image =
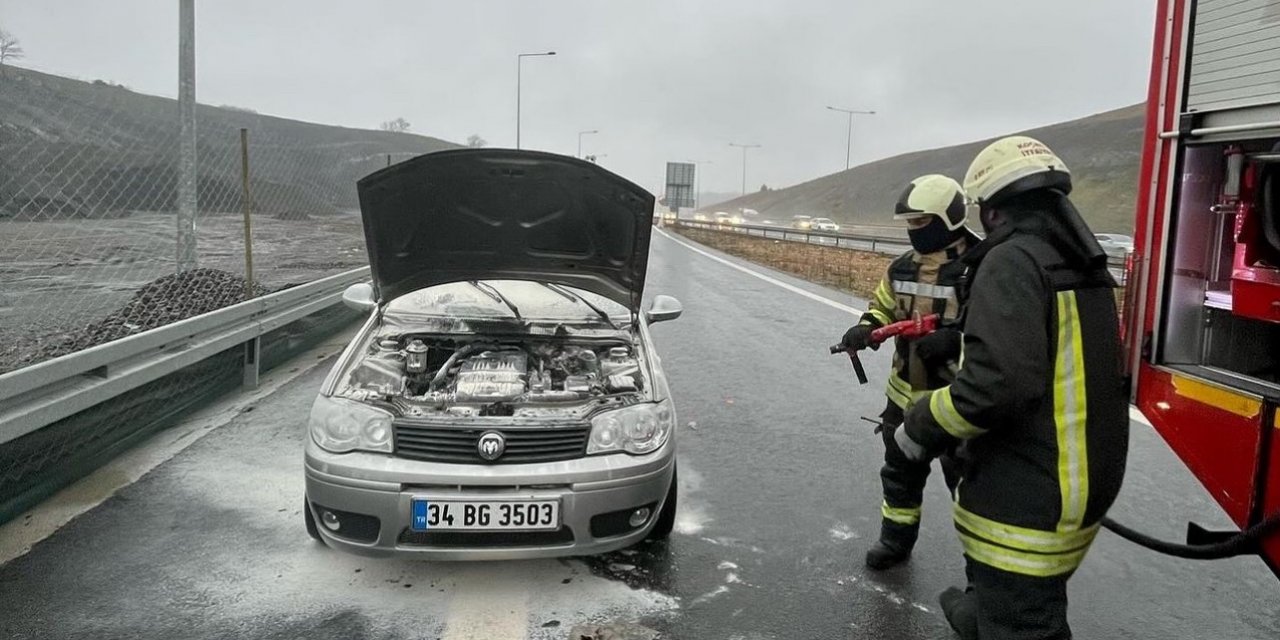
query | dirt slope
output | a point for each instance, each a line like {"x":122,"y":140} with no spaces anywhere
{"x":1102,"y":151}
{"x":75,"y":149}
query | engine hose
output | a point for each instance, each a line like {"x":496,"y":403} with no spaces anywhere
{"x":1243,"y":543}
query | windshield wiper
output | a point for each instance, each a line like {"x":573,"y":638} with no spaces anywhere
{"x":493,"y":292}
{"x":604,"y":315}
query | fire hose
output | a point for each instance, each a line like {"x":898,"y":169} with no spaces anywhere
{"x":1239,"y":544}
{"x":1243,"y":543}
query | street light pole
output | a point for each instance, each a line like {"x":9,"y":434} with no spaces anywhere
{"x":848,"y":147}
{"x":744,"y":162}
{"x":519,"y":70}
{"x":580,"y":134}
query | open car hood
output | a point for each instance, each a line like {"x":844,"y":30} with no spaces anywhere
{"x":485,"y":214}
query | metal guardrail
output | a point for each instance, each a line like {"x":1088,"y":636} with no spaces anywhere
{"x":887,"y":245}
{"x":876,"y":244}
{"x":36,"y":396}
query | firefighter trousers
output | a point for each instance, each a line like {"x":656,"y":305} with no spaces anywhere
{"x":904,"y":481}
{"x":1012,"y":606}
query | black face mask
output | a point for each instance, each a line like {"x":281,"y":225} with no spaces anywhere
{"x":933,"y":237}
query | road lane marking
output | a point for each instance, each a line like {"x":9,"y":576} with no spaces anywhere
{"x":771,"y":280}
{"x":1137,"y":416}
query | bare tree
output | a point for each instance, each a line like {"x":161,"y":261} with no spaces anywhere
{"x":10,"y":48}
{"x":474,"y":140}
{"x":399,"y":125}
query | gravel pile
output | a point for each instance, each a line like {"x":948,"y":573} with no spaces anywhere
{"x":160,"y":302}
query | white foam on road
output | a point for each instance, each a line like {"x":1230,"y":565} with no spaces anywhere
{"x":20,"y":534}
{"x":843,"y":533}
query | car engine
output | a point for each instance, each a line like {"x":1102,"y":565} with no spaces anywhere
{"x":421,"y":374}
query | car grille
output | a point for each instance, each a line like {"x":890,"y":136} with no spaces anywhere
{"x":436,"y":444}
{"x":490,"y":539}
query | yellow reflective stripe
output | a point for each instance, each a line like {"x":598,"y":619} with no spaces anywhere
{"x":901,"y":393}
{"x":1023,"y":562}
{"x":945,"y":414}
{"x":896,"y":397}
{"x":1022,"y":538}
{"x":883,"y":317}
{"x":1070,"y":415}
{"x":900,"y":515}
{"x":884,"y":295}
{"x":1239,"y":404}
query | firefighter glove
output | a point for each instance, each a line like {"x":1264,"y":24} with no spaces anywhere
{"x":858,"y":337}
{"x":910,"y":448}
{"x":940,"y":347}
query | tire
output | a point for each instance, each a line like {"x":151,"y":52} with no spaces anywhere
{"x":667,"y":517}
{"x":311,"y":521}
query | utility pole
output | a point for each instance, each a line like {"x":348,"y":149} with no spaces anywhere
{"x":519,"y":70}
{"x":744,"y":148}
{"x":848,"y":145}
{"x":186,"y":244}
{"x":580,"y":134}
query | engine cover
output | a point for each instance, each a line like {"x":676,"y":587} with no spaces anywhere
{"x":492,"y":377}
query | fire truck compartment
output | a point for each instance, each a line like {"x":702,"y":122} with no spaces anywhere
{"x":1223,"y":276}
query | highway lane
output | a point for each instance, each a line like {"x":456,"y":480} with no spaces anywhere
{"x":779,"y":499}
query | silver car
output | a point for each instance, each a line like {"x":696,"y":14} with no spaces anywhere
{"x":504,"y":399}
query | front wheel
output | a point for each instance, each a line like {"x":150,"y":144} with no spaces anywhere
{"x":667,"y":517}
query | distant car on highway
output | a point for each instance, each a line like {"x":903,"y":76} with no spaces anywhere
{"x":724,"y":217}
{"x":826,"y":225}
{"x":1115,"y":244}
{"x":700,"y":217}
{"x":801,"y":222}
{"x":503,"y":399}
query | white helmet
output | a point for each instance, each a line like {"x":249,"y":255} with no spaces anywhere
{"x":933,"y":195}
{"x":1014,"y":165}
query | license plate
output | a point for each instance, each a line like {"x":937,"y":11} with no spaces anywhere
{"x":485,"y":515}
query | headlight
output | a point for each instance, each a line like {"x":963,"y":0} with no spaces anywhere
{"x":340,"y":425}
{"x":638,"y":429}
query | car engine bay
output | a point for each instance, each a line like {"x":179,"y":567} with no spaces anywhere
{"x":425,"y":375}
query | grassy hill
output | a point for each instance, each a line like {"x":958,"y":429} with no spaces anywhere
{"x":1102,"y":152}
{"x":75,"y":149}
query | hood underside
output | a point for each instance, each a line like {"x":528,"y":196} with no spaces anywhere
{"x":484,"y":214}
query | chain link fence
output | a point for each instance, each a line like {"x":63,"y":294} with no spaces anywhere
{"x":90,"y":202}
{"x":89,"y":190}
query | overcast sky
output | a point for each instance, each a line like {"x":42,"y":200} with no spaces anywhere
{"x":660,"y":79}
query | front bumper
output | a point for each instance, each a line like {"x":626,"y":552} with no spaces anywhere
{"x":382,"y":487}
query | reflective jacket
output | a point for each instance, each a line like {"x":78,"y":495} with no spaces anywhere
{"x":924,"y":284}
{"x":1039,"y":398}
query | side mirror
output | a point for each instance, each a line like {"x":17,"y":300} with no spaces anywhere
{"x":360,"y":297}
{"x":663,"y":308}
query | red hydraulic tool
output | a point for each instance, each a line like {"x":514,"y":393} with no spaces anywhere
{"x":917,"y":327}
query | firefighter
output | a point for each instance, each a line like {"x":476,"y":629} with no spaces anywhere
{"x":1038,"y":401}
{"x":921,"y":281}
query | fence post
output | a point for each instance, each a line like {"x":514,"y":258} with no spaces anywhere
{"x":187,"y":197}
{"x":246,"y":206}
{"x":252,"y":352}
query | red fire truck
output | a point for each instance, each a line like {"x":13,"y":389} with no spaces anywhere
{"x":1202,"y":309}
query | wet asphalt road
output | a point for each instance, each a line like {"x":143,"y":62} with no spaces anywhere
{"x":779,"y":498}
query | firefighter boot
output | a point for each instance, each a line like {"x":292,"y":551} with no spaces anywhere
{"x":960,"y":608}
{"x":893,"y":547}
